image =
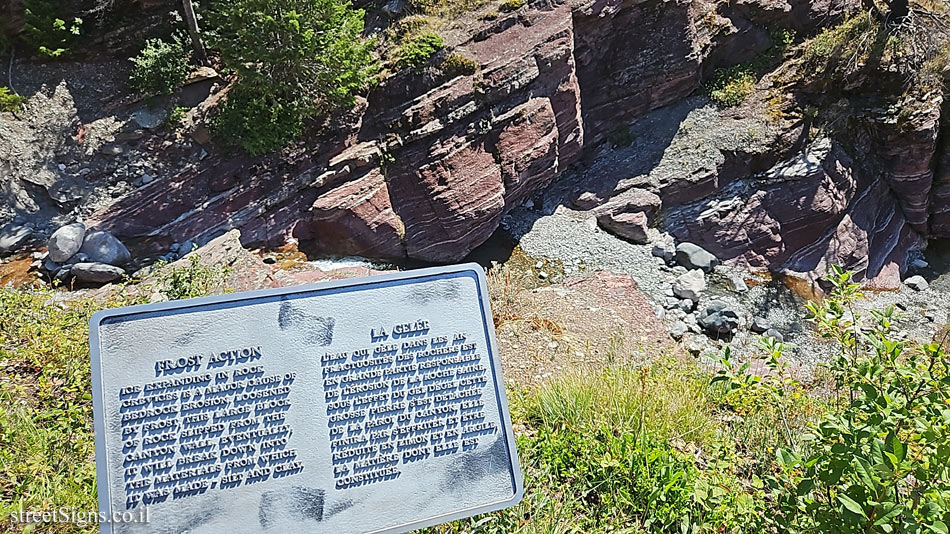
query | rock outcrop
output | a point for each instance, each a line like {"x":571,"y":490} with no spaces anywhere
{"x":431,"y":165}
{"x":428,"y":165}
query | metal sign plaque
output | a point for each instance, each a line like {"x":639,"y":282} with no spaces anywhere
{"x":367,"y":405}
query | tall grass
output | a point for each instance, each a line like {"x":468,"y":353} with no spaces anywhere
{"x":666,"y":400}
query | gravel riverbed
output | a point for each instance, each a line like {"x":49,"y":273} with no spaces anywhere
{"x":574,"y":238}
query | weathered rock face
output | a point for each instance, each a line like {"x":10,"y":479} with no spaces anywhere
{"x":459,"y":155}
{"x":802,"y":216}
{"x":633,"y":57}
{"x":359,"y":219}
{"x":429,"y":165}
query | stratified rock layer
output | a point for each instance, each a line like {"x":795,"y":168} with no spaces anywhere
{"x":428,"y":165}
{"x":431,"y":166}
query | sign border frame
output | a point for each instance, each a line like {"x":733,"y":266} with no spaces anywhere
{"x":99,"y":317}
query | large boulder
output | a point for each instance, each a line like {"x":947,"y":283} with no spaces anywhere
{"x":690,"y":285}
{"x":630,"y":226}
{"x":693,"y":256}
{"x":66,"y":242}
{"x":103,"y":247}
{"x":630,"y":201}
{"x":12,"y":236}
{"x":719,"y":319}
{"x":98,"y":273}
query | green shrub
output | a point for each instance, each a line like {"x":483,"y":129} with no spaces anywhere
{"x":47,"y":29}
{"x":880,"y":463}
{"x":623,"y":478}
{"x":160,"y":67}
{"x":417,"y":51}
{"x":511,"y":5}
{"x":458,"y":65}
{"x":443,"y":9}
{"x":430,"y":7}
{"x":782,"y":38}
{"x":194,"y":280}
{"x":833,"y":40}
{"x":730,"y":86}
{"x":10,"y":101}
{"x":878,"y":459}
{"x":294,"y":59}
{"x":407,"y":26}
{"x":258,"y":120}
{"x":837,"y":49}
{"x":491,"y":15}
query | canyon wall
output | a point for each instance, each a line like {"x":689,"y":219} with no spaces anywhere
{"x":429,"y":165}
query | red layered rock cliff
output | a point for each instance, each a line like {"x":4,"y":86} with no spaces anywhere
{"x":428,"y":172}
{"x":429,"y":165}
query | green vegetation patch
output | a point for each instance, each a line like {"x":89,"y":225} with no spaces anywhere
{"x":48,"y":29}
{"x":160,"y":67}
{"x":730,"y":86}
{"x":839,"y":41}
{"x":10,"y":101}
{"x":194,"y":280}
{"x":443,"y":9}
{"x":458,"y":65}
{"x":511,"y":5}
{"x":417,"y":51}
{"x":175,"y":118}
{"x":258,"y":120}
{"x":295,"y":59}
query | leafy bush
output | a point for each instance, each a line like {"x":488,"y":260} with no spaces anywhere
{"x":193,"y":280}
{"x":407,"y":26}
{"x":836,"y":51}
{"x":782,"y":38}
{"x":45,"y":31}
{"x":258,"y":120}
{"x":881,"y":463}
{"x":294,"y":59}
{"x":730,"y":86}
{"x":160,"y":67}
{"x":417,"y":51}
{"x":10,"y":101}
{"x":511,"y":5}
{"x":426,"y":6}
{"x":458,"y":65}
{"x":623,"y":478}
{"x":833,"y":41}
